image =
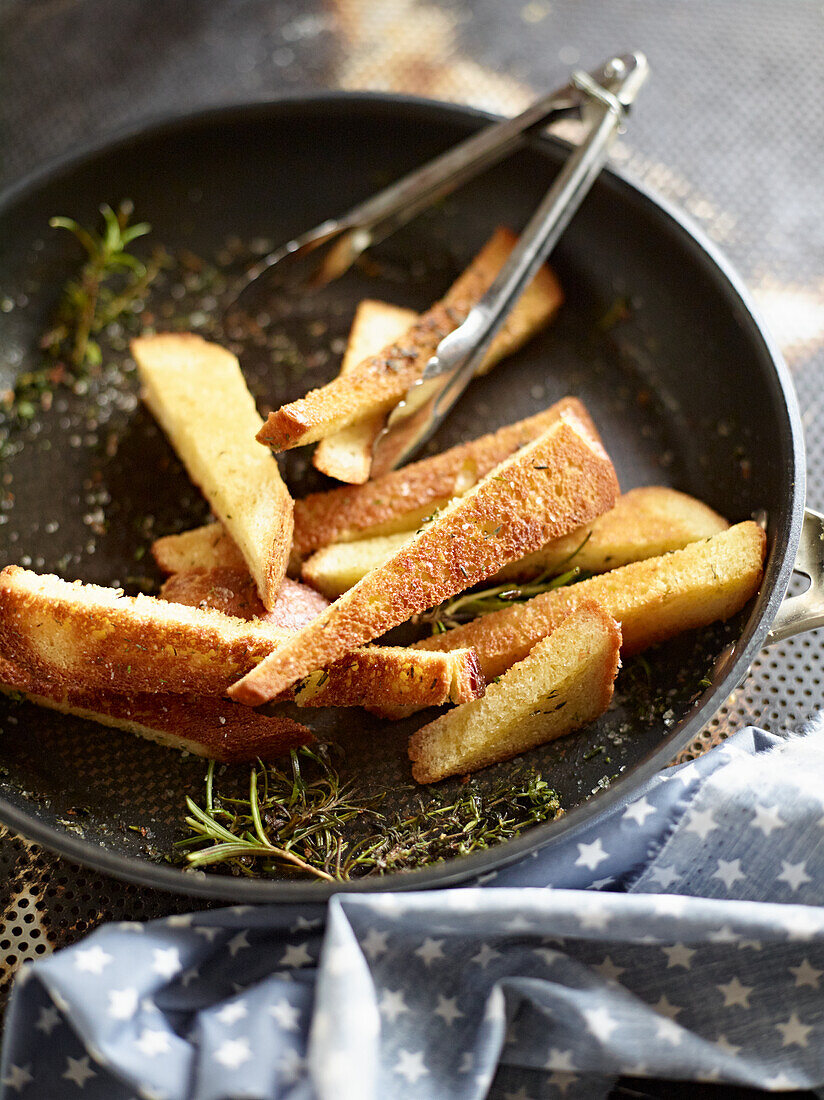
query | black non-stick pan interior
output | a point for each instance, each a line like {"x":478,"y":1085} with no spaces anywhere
{"x":651,"y":337}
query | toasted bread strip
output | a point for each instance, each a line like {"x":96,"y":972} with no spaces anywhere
{"x":197,"y":393}
{"x":392,"y":679}
{"x":206,"y":726}
{"x":652,"y":600}
{"x":557,"y":483}
{"x":347,"y":455}
{"x":233,"y":592}
{"x":207,"y":547}
{"x":381,"y":381}
{"x":82,"y":635}
{"x":643,"y":524}
{"x":400,"y":500}
{"x":335,"y":569}
{"x":565,"y":681}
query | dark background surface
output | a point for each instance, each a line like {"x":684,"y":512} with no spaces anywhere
{"x":731,"y":128}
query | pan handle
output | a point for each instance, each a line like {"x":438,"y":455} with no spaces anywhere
{"x":805,"y":612}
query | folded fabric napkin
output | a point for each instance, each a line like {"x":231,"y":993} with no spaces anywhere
{"x":681,"y":937}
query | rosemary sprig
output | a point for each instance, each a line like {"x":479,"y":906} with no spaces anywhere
{"x":109,"y":281}
{"x":294,"y":819}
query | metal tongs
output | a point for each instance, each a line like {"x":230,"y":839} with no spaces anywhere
{"x":601,"y":99}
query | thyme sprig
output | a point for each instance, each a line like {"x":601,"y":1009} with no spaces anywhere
{"x":294,"y":819}
{"x":110,"y":280}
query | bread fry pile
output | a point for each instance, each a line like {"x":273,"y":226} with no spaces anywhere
{"x":278,"y":601}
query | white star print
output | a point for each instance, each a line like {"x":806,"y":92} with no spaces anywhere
{"x":210,"y":934}
{"x":190,"y":976}
{"x":664,"y":876}
{"x":430,"y":950}
{"x":701,"y":822}
{"x":562,"y":1081}
{"x":802,"y":922}
{"x":781,"y":1083}
{"x":669,"y":1031}
{"x":591,"y":855}
{"x":638,"y":811}
{"x":448,"y":1010}
{"x":393,"y":1003}
{"x":560,"y":1060}
{"x":122,"y":1003}
{"x":92,"y":960}
{"x":485,"y":956}
{"x":231,"y":1013}
{"x":664,"y":1008}
{"x":724,"y":935}
{"x":48,"y":1020}
{"x":291,"y":1067}
{"x":238,"y":942}
{"x":725,"y":1046}
{"x":410,"y":1065}
{"x":467,"y":1062}
{"x":547,"y":954}
{"x":806,"y":974}
{"x":794,"y":874}
{"x":519,"y":1095}
{"x":287,"y":1015}
{"x":607,"y":969}
{"x":600,"y":1023}
{"x":599,"y":883}
{"x":78,"y":1071}
{"x":767,"y":820}
{"x":153,"y":1042}
{"x":166,"y":961}
{"x":793,"y":1032}
{"x":302,"y":924}
{"x":517,"y":924}
{"x":668,"y":905}
{"x":178,"y":920}
{"x":18,"y":1077}
{"x":594,"y":917}
{"x":374,"y":943}
{"x":233,"y":1053}
{"x":734,"y":993}
{"x":729,"y":871}
{"x":296,"y":955}
{"x":679,"y":955}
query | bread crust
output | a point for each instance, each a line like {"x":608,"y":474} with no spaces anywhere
{"x":394,"y":677}
{"x":198,"y":395}
{"x":211,"y":727}
{"x":566,"y":681}
{"x":381,"y":381}
{"x":233,"y":592}
{"x":398,"y":501}
{"x":551,"y":486}
{"x":653,"y":600}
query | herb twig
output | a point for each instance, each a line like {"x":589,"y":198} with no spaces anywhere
{"x":483,"y":601}
{"x":109,"y":281}
{"x":304,"y":818}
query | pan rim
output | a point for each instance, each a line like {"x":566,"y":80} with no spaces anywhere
{"x":779,"y":567}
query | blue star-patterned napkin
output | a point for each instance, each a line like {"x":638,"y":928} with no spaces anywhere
{"x":681,"y":937}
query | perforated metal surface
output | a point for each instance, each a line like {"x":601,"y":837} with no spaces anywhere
{"x":732,"y":128}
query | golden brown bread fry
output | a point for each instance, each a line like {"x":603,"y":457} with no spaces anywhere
{"x":565,"y":682}
{"x":198,"y":395}
{"x":82,"y":635}
{"x":207,"y":547}
{"x":558,"y":482}
{"x":86,"y":638}
{"x":643,"y":524}
{"x":347,"y":455}
{"x":233,"y":592}
{"x":381,"y":381}
{"x":400,"y":500}
{"x":206,"y":726}
{"x":652,"y":600}
{"x":393,"y":677}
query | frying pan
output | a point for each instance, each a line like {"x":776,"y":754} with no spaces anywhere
{"x":687,"y":390}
